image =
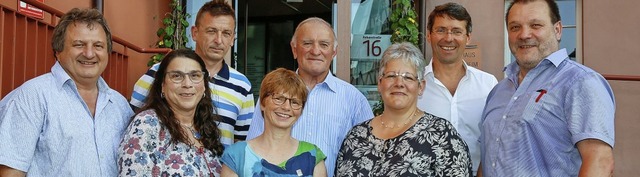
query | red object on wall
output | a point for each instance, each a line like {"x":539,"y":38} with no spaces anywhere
{"x":30,"y":10}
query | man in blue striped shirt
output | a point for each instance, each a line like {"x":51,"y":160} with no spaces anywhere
{"x":550,"y":116}
{"x":333,"y":106}
{"x":67,"y":122}
{"x":231,"y":90}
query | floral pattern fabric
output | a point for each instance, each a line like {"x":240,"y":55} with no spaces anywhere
{"x":146,"y":151}
{"x":431,"y":147}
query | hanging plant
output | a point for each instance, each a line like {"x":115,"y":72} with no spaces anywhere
{"x":173,"y":34}
{"x":405,"y":29}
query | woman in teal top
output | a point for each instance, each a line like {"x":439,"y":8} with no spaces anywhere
{"x":276,"y":152}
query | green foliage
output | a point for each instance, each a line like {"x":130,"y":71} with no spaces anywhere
{"x":405,"y":28}
{"x":403,"y":22}
{"x":173,"y":34}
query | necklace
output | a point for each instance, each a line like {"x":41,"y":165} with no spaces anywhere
{"x":195,"y":133}
{"x":405,"y":123}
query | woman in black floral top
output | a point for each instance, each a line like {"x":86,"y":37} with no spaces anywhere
{"x":403,"y":140}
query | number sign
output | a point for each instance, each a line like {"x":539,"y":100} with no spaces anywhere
{"x":368,"y":46}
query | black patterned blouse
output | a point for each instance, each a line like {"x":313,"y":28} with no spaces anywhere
{"x":431,"y":147}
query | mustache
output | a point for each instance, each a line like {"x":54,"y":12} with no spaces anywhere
{"x":526,"y":42}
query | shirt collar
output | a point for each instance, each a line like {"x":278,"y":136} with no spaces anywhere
{"x":429,"y":68}
{"x":555,"y":58}
{"x":61,"y":77}
{"x":224,"y":71}
{"x":330,"y":81}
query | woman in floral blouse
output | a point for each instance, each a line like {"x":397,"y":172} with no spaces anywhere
{"x":175,"y":133}
{"x":403,"y":140}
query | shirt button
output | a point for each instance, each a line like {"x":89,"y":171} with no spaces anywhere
{"x":493,"y":164}
{"x":515,"y":98}
{"x":504,"y":117}
{"x":497,"y":139}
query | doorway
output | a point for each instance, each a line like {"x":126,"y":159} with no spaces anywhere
{"x":265,"y":28}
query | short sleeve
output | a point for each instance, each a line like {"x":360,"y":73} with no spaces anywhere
{"x":21,"y":121}
{"x":319,"y":155}
{"x":233,"y":156}
{"x":590,"y":109}
{"x":313,"y":149}
{"x":142,"y":86}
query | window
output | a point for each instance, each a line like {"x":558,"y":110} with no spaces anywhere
{"x":569,"y":14}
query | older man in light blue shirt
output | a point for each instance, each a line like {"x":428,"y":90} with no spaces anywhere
{"x":67,"y":122}
{"x":333,"y":106}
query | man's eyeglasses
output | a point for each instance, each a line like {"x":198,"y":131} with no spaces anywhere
{"x":406,"y":77}
{"x":280,"y":99}
{"x":178,"y":76}
{"x":444,"y":31}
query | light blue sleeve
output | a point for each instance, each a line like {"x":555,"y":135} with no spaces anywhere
{"x":257,"y":123}
{"x":21,"y":120}
{"x":362,"y":110}
{"x":233,"y":157}
{"x":590,"y":109}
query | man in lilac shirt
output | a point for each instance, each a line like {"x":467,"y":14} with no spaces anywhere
{"x":550,"y":116}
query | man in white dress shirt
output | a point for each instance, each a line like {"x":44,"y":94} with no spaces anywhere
{"x":454,"y":90}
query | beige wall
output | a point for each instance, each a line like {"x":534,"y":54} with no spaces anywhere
{"x":136,"y":22}
{"x":610,"y":36}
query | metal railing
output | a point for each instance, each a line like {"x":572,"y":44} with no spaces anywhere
{"x":25,"y":50}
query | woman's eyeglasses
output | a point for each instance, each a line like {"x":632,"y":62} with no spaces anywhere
{"x":280,"y":99}
{"x":178,"y":76}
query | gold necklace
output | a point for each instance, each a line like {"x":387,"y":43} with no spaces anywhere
{"x":415,"y":112}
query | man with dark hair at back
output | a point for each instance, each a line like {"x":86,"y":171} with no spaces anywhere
{"x":454,"y":90}
{"x":67,"y":122}
{"x":214,"y":34}
{"x":550,"y":116}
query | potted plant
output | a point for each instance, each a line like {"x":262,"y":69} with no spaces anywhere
{"x":173,"y":34}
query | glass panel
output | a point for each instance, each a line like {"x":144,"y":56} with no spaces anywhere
{"x":370,"y":37}
{"x":256,"y":56}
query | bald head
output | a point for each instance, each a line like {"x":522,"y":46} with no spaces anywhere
{"x":315,"y":20}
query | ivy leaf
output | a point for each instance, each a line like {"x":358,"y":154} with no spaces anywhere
{"x":169,"y":30}
{"x":406,"y":3}
{"x":185,"y":23}
{"x":160,"y":32}
{"x":166,"y":21}
{"x":168,"y":43}
{"x":403,"y":22}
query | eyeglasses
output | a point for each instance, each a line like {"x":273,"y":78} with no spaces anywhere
{"x":406,"y":77}
{"x":280,"y":99}
{"x":444,"y":31}
{"x":178,"y":76}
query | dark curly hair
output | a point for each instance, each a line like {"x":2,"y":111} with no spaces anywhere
{"x":205,"y":117}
